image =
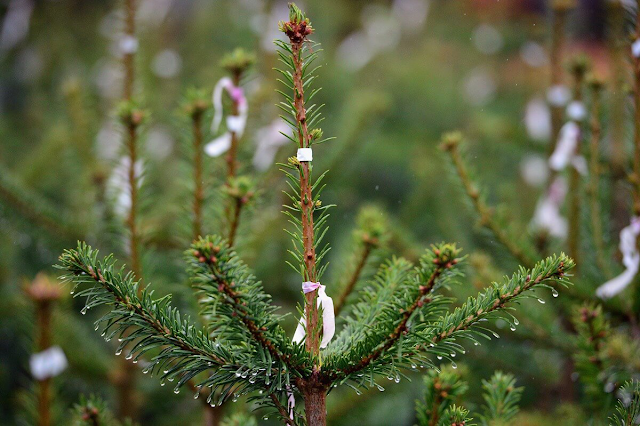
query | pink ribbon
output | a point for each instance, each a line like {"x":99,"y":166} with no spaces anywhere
{"x":308,"y":287}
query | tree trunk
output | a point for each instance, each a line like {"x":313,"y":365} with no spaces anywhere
{"x":315,"y":406}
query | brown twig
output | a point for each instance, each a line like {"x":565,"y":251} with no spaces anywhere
{"x":555,"y":68}
{"x":573,"y":238}
{"x":198,"y":196}
{"x":484,"y":211}
{"x":594,"y":172}
{"x":394,"y":336}
{"x":348,"y":289}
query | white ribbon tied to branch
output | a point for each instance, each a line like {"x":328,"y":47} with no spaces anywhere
{"x":547,"y":216}
{"x":328,"y":315}
{"x":235,"y":123}
{"x":630,"y":260}
{"x":566,"y":151}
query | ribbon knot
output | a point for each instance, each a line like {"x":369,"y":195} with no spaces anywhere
{"x":325,"y":303}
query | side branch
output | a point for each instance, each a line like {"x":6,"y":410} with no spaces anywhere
{"x":487,"y":219}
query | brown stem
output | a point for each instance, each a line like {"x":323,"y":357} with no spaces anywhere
{"x":43,"y":314}
{"x":235,"y":220}
{"x":636,"y":127}
{"x":133,"y":192}
{"x":128,"y":59}
{"x":306,"y":203}
{"x":198,"y":196}
{"x":618,"y":159}
{"x":348,"y":289}
{"x":315,"y":405}
{"x":401,"y":328}
{"x":233,"y":150}
{"x":485,"y":212}
{"x":594,"y":187}
{"x":574,"y":188}
{"x":555,"y":65}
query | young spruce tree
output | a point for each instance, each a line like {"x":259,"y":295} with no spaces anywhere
{"x":399,"y":322}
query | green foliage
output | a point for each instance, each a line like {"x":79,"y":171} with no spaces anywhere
{"x":442,"y":389}
{"x":455,"y":416}
{"x":628,"y":406}
{"x":239,"y":419}
{"x":238,"y":61}
{"x":93,"y":411}
{"x":28,"y":205}
{"x":501,"y":399}
{"x":591,"y":360}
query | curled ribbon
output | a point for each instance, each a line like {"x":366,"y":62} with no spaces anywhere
{"x":235,"y":123}
{"x":630,"y":259}
{"x":328,"y":315}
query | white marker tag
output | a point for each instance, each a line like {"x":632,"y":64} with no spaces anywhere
{"x":48,"y":363}
{"x":305,"y":154}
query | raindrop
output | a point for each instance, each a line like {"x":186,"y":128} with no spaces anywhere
{"x":118,"y":352}
{"x":390,"y":377}
{"x":135,"y":361}
{"x":380,"y":388}
{"x":358,"y":392}
{"x":476,"y":343}
{"x":413,"y":366}
{"x":454,"y":365}
{"x":541,"y":301}
{"x":397,"y":380}
{"x":96,"y":327}
{"x":176,"y":390}
{"x":439,"y":357}
{"x":554,"y":292}
{"x":83,"y":311}
{"x":512,"y":328}
{"x":453,"y":355}
{"x":496,"y":335}
{"x":515,"y":321}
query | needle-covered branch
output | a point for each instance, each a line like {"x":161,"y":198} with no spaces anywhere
{"x":30,"y":205}
{"x":628,"y":406}
{"x":399,"y":303}
{"x":443,"y":388}
{"x":488,"y":219}
{"x":238,"y":309}
{"x":463,"y":321}
{"x":145,"y":323}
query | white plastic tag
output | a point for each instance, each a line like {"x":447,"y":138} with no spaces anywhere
{"x":305,"y":154}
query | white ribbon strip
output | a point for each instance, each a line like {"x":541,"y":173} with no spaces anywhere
{"x":547,"y":216}
{"x":305,"y":154}
{"x":48,"y":363}
{"x":237,"y":95}
{"x":566,"y":150}
{"x":328,"y":315}
{"x":218,"y":146}
{"x":630,"y":259}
